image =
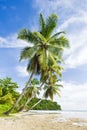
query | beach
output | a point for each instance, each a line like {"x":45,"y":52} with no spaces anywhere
{"x":42,"y":121}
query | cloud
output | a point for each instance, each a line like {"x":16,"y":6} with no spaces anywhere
{"x":11,"y":41}
{"x":77,"y":57}
{"x":77,"y":54}
{"x":76,"y":28}
{"x":22,"y":71}
{"x":52,"y":5}
{"x":64,"y":8}
{"x":75,"y":20}
{"x":48,"y":6}
{"x":73,"y":96}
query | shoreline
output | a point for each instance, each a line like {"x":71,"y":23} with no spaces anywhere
{"x":45,"y":121}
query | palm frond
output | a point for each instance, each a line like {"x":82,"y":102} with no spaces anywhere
{"x":44,"y":75}
{"x":57,"y":69}
{"x":40,"y":36}
{"x":55,"y":46}
{"x":42,"y":24}
{"x":23,"y":35}
{"x":58,"y":85}
{"x":51,"y":59}
{"x":28,"y":52}
{"x":61,"y":42}
{"x":43,"y":59}
{"x":51,"y":23}
{"x":28,"y":36}
{"x":34,"y":81}
{"x":48,"y":93}
{"x":55,"y":36}
{"x":33,"y":65}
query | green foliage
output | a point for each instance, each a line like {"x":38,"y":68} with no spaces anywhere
{"x":44,"y":105}
{"x":6,"y":99}
{"x":8,"y":93}
{"x":32,"y":90}
{"x":34,"y":81}
{"x":46,"y":50}
{"x":4,"y":107}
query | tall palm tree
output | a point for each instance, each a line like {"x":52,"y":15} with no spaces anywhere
{"x":45,"y":47}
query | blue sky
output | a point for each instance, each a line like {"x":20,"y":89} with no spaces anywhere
{"x":72,"y":17}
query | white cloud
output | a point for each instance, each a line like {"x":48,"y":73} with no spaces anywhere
{"x":22,"y":71}
{"x":52,"y":5}
{"x":76,"y":27}
{"x":75,"y":19}
{"x":77,"y":54}
{"x":64,"y":8}
{"x":73,"y":96}
{"x":12,"y":41}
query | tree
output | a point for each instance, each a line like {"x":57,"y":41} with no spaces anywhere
{"x":45,"y":48}
{"x":31,"y":92}
{"x":51,"y":90}
{"x":51,"y":87}
{"x":8,"y":92}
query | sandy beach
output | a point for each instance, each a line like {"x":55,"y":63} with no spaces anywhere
{"x":29,"y":121}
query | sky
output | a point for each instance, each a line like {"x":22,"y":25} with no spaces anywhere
{"x":72,"y":18}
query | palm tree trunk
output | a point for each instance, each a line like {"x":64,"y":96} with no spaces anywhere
{"x":23,"y":107}
{"x":41,"y":85}
{"x":30,"y":98}
{"x":20,"y":97}
{"x":35,"y":105}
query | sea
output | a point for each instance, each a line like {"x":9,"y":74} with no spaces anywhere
{"x":64,"y":113}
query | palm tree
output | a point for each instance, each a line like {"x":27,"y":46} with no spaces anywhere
{"x":51,"y":90}
{"x":51,"y":87}
{"x":31,"y":92}
{"x":20,"y":97}
{"x":45,"y":47}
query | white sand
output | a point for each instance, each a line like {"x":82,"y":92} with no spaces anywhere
{"x":29,"y":121}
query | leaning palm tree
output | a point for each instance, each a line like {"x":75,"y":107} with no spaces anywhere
{"x":49,"y":92}
{"x":31,"y":92}
{"x":31,"y":96}
{"x":44,"y":46}
{"x":51,"y":88}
